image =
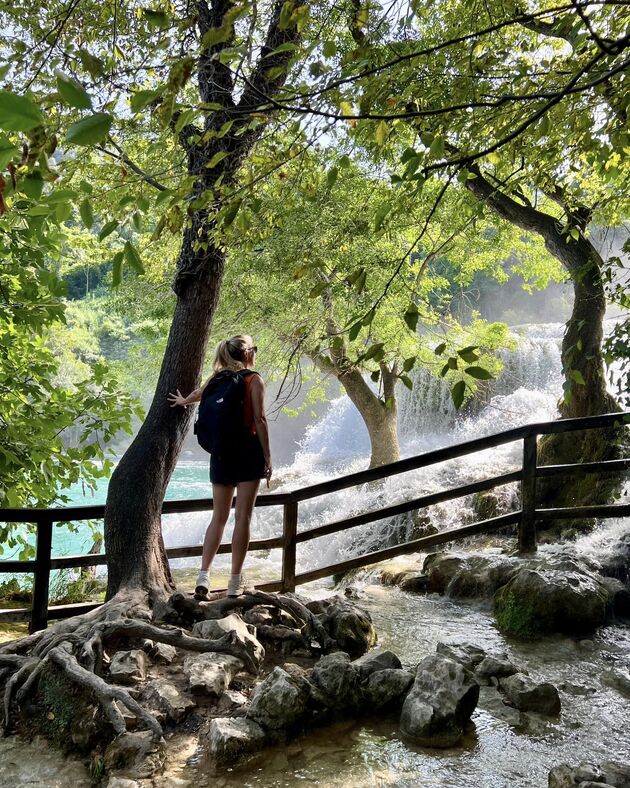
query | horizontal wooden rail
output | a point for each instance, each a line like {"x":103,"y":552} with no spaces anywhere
{"x":576,"y":512}
{"x":415,"y":546}
{"x":408,"y":506}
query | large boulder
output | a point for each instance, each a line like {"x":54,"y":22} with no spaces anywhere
{"x":280,"y":702}
{"x":525,"y":694}
{"x":566,"y":598}
{"x":378,"y":659}
{"x":494,"y":667}
{"x":349,"y":625}
{"x":587,"y":774}
{"x":242,"y":633}
{"x":468,"y":576}
{"x":467,"y":654}
{"x":211,"y":674}
{"x":229,"y":739}
{"x":440,"y":703}
{"x":617,"y":679}
{"x":386,"y":689}
{"x":337,"y":680}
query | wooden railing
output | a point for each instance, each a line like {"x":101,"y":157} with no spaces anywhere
{"x":526,"y":517}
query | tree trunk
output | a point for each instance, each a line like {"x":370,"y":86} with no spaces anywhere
{"x":381,"y":419}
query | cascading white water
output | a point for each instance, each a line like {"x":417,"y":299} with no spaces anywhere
{"x":527,"y":391}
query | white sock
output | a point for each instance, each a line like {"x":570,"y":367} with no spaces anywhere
{"x":202,"y":580}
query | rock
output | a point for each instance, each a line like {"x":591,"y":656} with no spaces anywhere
{"x":588,"y":775}
{"x":525,"y":694}
{"x":490,"y":666}
{"x":467,"y":654}
{"x":121,"y":782}
{"x":230,"y":738}
{"x":438,"y":706}
{"x":618,"y":598}
{"x":491,"y":700}
{"x":349,"y":625}
{"x":161,"y":653}
{"x":231,"y":701}
{"x":576,"y":689}
{"x":468,"y":576}
{"x":279,"y":702}
{"x":165,"y":696}
{"x":128,"y":667}
{"x":441,"y":568}
{"x":617,"y":679}
{"x":211,"y":673}
{"x":538,"y":600}
{"x":386,"y":688}
{"x":136,"y":754}
{"x":258,"y":616}
{"x":377,"y":659}
{"x":338,"y":681}
{"x":243,"y":633}
{"x":414,"y":582}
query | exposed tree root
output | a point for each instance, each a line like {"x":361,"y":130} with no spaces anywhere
{"x":194,"y":610}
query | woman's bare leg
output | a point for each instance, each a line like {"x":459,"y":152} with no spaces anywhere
{"x":245,"y":498}
{"x":222,"y":496}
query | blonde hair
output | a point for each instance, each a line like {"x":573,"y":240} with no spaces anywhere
{"x":232,"y":353}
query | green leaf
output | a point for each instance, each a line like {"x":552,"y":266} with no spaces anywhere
{"x":375,"y":375}
{"x":457,"y":393}
{"x":90,"y":130}
{"x":216,"y":35}
{"x":8,"y":151}
{"x":108,"y":229}
{"x":407,"y":381}
{"x":219,"y":156}
{"x":117,"y":264}
{"x":577,"y":376}
{"x":411,"y":317}
{"x":354,"y":331}
{"x":409,"y":363}
{"x":87,"y":215}
{"x":231,"y":211}
{"x":331,"y":177}
{"x":381,"y":213}
{"x":329,"y":49}
{"x":18,"y":113}
{"x":72,"y":92}
{"x":93,"y":65}
{"x":375,"y":351}
{"x":468,"y":353}
{"x":142,"y":98}
{"x":440,"y":349}
{"x":318,"y":289}
{"x":132,"y":256}
{"x":158,"y":20}
{"x":367,"y":320}
{"x":381,"y":133}
{"x":437,"y":148}
{"x":32,"y":185}
{"x":478,"y":372}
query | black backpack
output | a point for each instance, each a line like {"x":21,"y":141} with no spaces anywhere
{"x":220,"y":417}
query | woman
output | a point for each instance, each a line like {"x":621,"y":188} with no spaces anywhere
{"x":240,"y":467}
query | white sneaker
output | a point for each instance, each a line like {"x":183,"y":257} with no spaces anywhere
{"x":202,"y":585}
{"x":236,"y":585}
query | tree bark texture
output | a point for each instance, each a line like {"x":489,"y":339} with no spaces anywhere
{"x":133,"y":534}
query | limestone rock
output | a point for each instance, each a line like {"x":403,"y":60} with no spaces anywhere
{"x":349,"y":625}
{"x":491,"y":666}
{"x":279,"y":702}
{"x":440,"y":702}
{"x":525,"y":694}
{"x":468,"y":576}
{"x":230,"y":738}
{"x":165,"y":696}
{"x":121,"y":782}
{"x":136,"y":754}
{"x":414,"y":582}
{"x":386,"y":688}
{"x":161,"y":653}
{"x":618,"y":598}
{"x":467,"y":654}
{"x":243,"y":633}
{"x":338,"y":681}
{"x":491,"y":700}
{"x":378,"y":659}
{"x":211,"y":673}
{"x":617,"y":679}
{"x":588,"y":774}
{"x":128,"y":667}
{"x":231,"y":701}
{"x":565,"y":598}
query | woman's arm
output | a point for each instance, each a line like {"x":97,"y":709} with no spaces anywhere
{"x":260,"y":420}
{"x":179,"y":399}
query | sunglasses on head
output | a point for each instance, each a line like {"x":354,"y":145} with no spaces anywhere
{"x":254,"y":348}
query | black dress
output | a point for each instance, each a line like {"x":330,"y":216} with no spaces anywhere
{"x":243,"y":460}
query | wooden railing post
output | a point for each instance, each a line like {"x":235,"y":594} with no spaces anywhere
{"x":39,"y":612}
{"x":289,"y":527}
{"x":527,"y":526}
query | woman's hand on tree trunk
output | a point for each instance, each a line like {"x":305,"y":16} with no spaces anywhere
{"x":177,"y":399}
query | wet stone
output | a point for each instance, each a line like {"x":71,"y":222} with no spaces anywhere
{"x":467,"y":654}
{"x":230,"y":738}
{"x":526,"y":695}
{"x":378,"y":659}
